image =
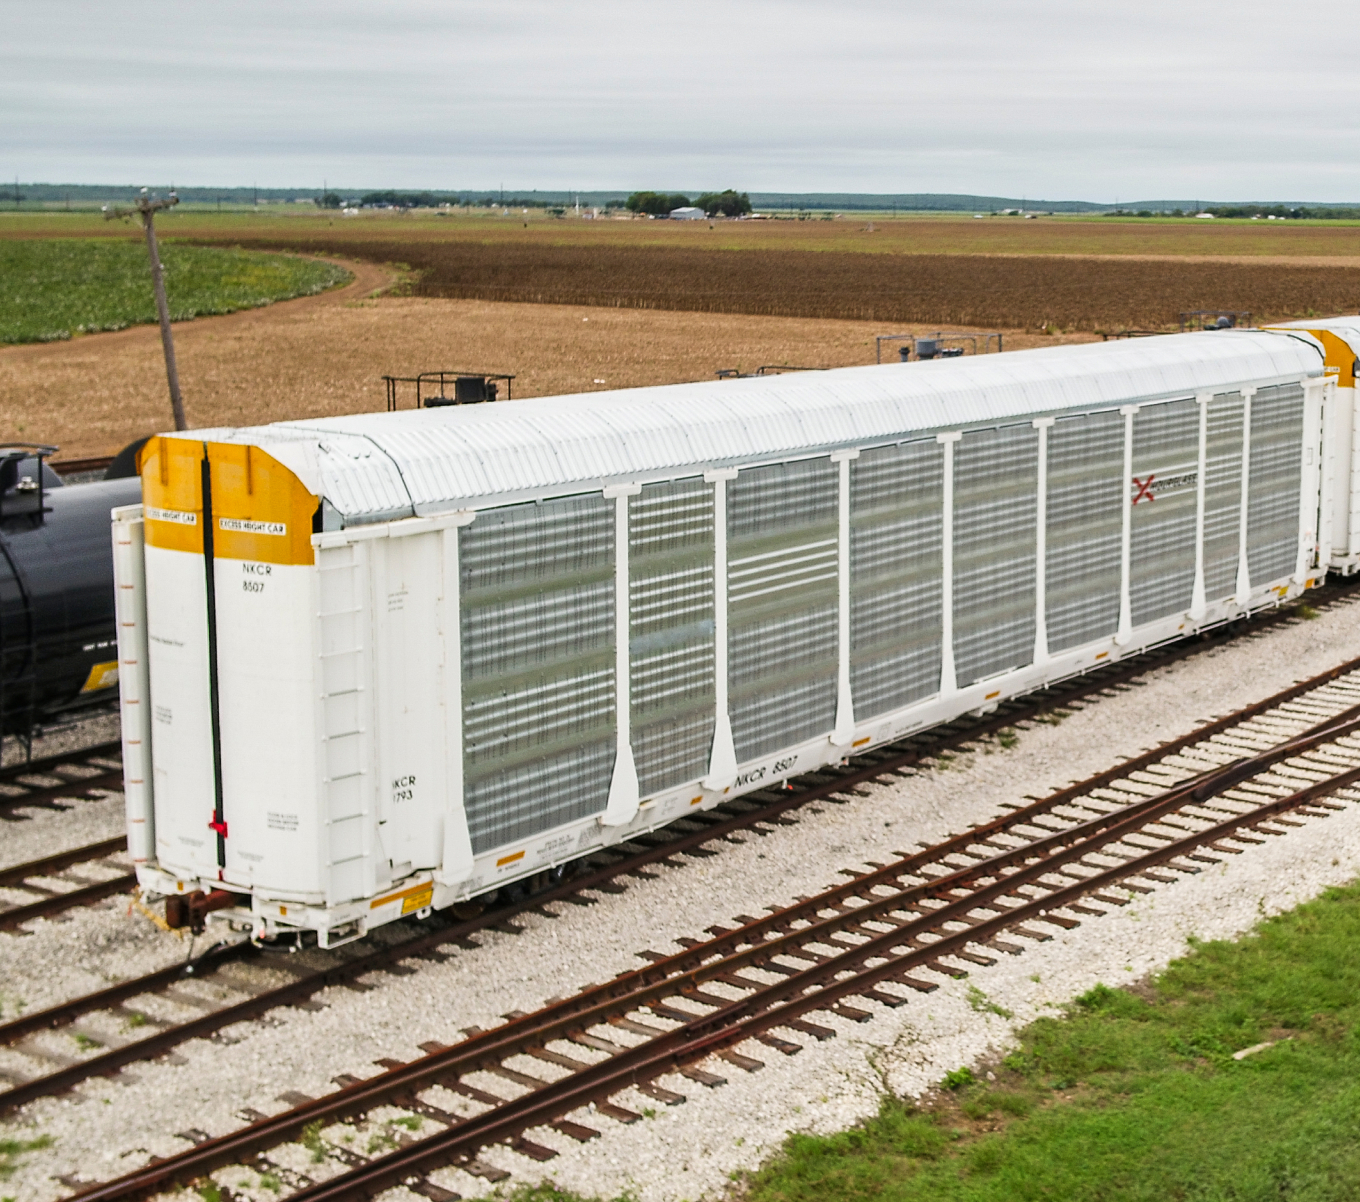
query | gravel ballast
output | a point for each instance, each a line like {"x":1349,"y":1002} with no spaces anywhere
{"x":105,"y":1127}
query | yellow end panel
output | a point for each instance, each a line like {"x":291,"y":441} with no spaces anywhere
{"x":261,"y":511}
{"x":1339,"y":358}
{"x":171,"y":494}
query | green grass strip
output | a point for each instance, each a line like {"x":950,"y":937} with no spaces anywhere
{"x":1132,"y":1095}
{"x":53,"y":289}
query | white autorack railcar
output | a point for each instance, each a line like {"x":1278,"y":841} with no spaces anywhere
{"x":381,"y":664}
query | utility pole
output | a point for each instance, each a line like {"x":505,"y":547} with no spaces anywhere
{"x":147,"y":208}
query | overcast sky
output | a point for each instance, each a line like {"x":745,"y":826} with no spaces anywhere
{"x":1056,"y":99}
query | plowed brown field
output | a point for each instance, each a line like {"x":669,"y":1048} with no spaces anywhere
{"x":326,"y":355}
{"x":1005,"y":291}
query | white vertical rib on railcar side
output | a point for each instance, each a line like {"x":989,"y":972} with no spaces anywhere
{"x":134,"y":680}
{"x":1243,"y":594}
{"x":722,"y":766}
{"x":1042,"y":425}
{"x":949,"y":681}
{"x":844,"y":733}
{"x":1125,"y":631}
{"x":622,"y":806}
{"x":1316,"y":395}
{"x":1198,"y":602}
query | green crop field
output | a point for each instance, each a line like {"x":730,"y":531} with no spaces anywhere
{"x":52,"y":289}
{"x":1134,"y":1095}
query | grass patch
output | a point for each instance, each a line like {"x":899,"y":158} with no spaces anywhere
{"x":1134,"y":1096}
{"x":12,"y":1151}
{"x":53,"y":289}
{"x":980,"y":1002}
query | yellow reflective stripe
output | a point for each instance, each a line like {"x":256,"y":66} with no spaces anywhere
{"x":391,"y":897}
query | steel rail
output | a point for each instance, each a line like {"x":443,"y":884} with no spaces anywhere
{"x":15,"y":876}
{"x":632,"y":991}
{"x":58,"y":902}
{"x":44,"y":766}
{"x":428,"y":943}
{"x":77,"y":788}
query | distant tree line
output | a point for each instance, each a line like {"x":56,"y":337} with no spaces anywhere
{"x":716,"y":204}
{"x":728,"y":203}
{"x":655,"y":204}
{"x":1286,"y":212}
{"x":1278,"y":211}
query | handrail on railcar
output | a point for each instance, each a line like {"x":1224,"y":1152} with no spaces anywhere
{"x":469,"y":388}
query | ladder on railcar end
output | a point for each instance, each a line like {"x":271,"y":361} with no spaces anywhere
{"x":342,"y":587}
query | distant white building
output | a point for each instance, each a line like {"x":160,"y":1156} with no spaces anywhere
{"x":688,"y":213}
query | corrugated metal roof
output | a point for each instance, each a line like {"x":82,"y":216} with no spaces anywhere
{"x":375,"y":466}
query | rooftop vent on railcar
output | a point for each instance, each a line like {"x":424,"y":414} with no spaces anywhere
{"x":1215,"y":319}
{"x":432,"y":388}
{"x":940,"y":345}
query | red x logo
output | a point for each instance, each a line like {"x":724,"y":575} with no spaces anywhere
{"x":1144,"y":489}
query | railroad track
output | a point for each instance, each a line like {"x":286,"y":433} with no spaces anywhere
{"x":867,"y":942}
{"x":48,"y":782}
{"x":140,"y":1035}
{"x":55,"y":782}
{"x":29,"y":878}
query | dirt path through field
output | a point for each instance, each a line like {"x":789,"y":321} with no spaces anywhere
{"x":326,"y":355}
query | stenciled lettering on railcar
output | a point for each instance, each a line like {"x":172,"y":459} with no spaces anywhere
{"x":1154,"y":485}
{"x":755,"y":774}
{"x":554,"y":849}
{"x":178,"y":517}
{"x":251,"y":571}
{"x":404,"y":787}
{"x":242,"y":526}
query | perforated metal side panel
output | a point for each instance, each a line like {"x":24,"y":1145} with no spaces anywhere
{"x":995,"y":504}
{"x":1222,"y":495}
{"x":896,"y":561}
{"x":670,"y":631}
{"x":1085,"y":528}
{"x":1273,"y":490}
{"x":1164,"y":494}
{"x":537,"y":600}
{"x":781,"y":597}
